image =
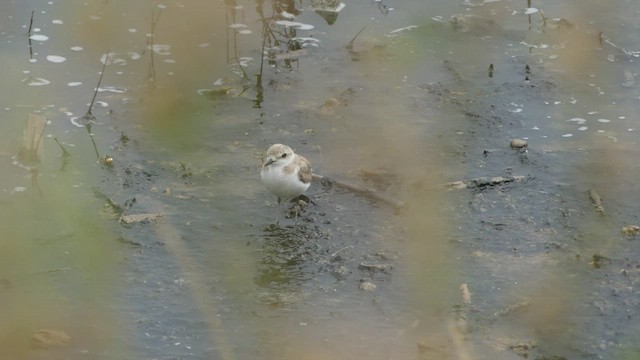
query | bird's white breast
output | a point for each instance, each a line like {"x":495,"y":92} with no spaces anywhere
{"x":282,"y":185}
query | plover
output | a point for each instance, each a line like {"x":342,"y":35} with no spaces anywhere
{"x":286,"y":174}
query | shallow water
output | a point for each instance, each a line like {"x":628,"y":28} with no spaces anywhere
{"x":410,"y":103}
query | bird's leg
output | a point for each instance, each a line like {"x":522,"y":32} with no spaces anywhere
{"x":297,"y":210}
{"x":278,"y":216}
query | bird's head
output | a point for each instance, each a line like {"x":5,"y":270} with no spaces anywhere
{"x":278,"y":155}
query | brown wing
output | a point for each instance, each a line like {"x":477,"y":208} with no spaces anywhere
{"x":305,"y":174}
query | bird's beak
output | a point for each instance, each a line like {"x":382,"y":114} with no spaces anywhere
{"x":269,"y":162}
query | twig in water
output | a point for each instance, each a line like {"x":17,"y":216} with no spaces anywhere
{"x":339,"y":251}
{"x":29,"y":35}
{"x":88,"y":117}
{"x":51,"y":271}
{"x":154,"y":22}
{"x":34,"y":180}
{"x":265,"y":33}
{"x":30,"y":23}
{"x":65,"y":153}
{"x":382,"y":7}
{"x":349,"y":45}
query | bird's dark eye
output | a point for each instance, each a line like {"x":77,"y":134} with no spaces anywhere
{"x":284,"y":155}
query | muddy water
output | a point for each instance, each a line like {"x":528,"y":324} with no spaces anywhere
{"x":185,"y":115}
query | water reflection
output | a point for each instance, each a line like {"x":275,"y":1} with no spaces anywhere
{"x":286,"y":256}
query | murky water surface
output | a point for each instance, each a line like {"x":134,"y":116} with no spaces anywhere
{"x":140,"y":229}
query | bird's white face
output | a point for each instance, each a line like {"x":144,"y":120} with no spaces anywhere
{"x":278,"y":155}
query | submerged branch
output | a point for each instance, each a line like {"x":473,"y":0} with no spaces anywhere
{"x":366,"y":192}
{"x":596,"y":201}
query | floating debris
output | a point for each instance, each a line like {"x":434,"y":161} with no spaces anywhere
{"x":596,"y":201}
{"x":215,"y":93}
{"x":31,"y":81}
{"x":631,"y":230}
{"x":481,"y":182}
{"x":512,"y":308}
{"x":39,"y":37}
{"x":294,"y":24}
{"x":57,"y":21}
{"x":161,"y":49}
{"x":456,"y":185}
{"x":113,"y":89}
{"x":484,"y":182}
{"x":80,"y":121}
{"x":329,"y":10}
{"x":77,"y":48}
{"x":45,"y":338}
{"x":367,"y":285}
{"x":137,"y":218}
{"x":245,"y":61}
{"x":56,"y":59}
{"x":375,"y":267}
{"x":518,"y":144}
{"x":531,"y":10}
{"x":306,"y":41}
{"x":332,"y":6}
{"x":286,"y":15}
{"x":406,"y":28}
{"x":541,"y":46}
{"x":597,"y":261}
{"x":579,"y":121}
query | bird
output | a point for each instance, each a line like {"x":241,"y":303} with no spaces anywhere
{"x":285,"y":174}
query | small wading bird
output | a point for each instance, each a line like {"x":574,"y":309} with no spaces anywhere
{"x":286,"y":174}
